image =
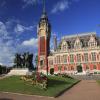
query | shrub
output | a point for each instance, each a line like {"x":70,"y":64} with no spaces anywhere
{"x":95,"y":72}
{"x":98,"y":72}
{"x":64,"y":75}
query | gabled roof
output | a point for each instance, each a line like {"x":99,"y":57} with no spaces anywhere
{"x":84,"y":38}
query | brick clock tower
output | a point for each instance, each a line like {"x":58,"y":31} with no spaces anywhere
{"x":44,"y":33}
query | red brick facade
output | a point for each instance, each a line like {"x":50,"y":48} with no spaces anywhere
{"x":86,"y":58}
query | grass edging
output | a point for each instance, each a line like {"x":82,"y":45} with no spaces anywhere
{"x":22,"y":94}
{"x":60,"y":93}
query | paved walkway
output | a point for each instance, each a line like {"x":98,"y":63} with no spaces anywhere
{"x":85,"y":90}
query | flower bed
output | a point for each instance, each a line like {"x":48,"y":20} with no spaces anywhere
{"x":37,"y":79}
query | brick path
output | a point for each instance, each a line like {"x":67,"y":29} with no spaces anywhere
{"x":85,"y":90}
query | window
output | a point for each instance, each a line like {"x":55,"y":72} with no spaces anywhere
{"x":71,"y":58}
{"x":87,"y":67}
{"x":93,"y":56}
{"x":41,"y":62}
{"x":78,"y":57}
{"x":58,"y":59}
{"x":55,"y":60}
{"x":94,"y":67}
{"x":64,"y":46}
{"x":72,"y":68}
{"x":78,"y":43}
{"x":50,"y":62}
{"x":61,"y":59}
{"x":85,"y":57}
{"x":65,"y":68}
{"x":64,"y":58}
{"x":92,"y":41}
{"x":92,"y":44}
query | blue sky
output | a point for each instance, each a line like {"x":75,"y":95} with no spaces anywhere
{"x":19,"y":19}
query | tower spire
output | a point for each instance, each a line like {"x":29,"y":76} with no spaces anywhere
{"x":44,"y":15}
{"x":44,"y":10}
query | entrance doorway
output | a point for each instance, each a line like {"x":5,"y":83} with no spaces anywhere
{"x":79,"y":69}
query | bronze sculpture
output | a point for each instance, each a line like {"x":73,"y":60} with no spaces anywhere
{"x":23,"y":61}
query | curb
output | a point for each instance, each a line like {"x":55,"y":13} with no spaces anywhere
{"x":20,"y":94}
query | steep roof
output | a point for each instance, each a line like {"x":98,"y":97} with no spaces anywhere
{"x":84,"y":38}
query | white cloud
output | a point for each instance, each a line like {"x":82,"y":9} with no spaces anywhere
{"x":10,"y":43}
{"x":11,"y":23}
{"x":60,"y":6}
{"x":1,"y":64}
{"x":30,"y":2}
{"x":4,"y":34}
{"x":3,"y":30}
{"x":6,"y":53}
{"x":30,"y":45}
{"x":6,"y":45}
{"x":20,"y":28}
{"x":32,"y":42}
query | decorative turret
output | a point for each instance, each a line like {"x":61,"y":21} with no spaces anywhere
{"x":55,"y":42}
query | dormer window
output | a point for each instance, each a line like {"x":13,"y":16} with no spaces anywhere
{"x":92,"y":42}
{"x":64,"y":46}
{"x":78,"y":43}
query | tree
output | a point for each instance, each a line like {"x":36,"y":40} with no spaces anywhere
{"x":0,"y":69}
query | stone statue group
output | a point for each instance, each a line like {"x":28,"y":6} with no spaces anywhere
{"x":23,"y":61}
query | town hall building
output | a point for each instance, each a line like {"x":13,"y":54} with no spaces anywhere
{"x":75,"y":54}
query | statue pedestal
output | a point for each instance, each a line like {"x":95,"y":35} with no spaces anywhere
{"x":19,"y":71}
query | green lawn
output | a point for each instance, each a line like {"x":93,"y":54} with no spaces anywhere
{"x":55,"y":85}
{"x":98,"y":81}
